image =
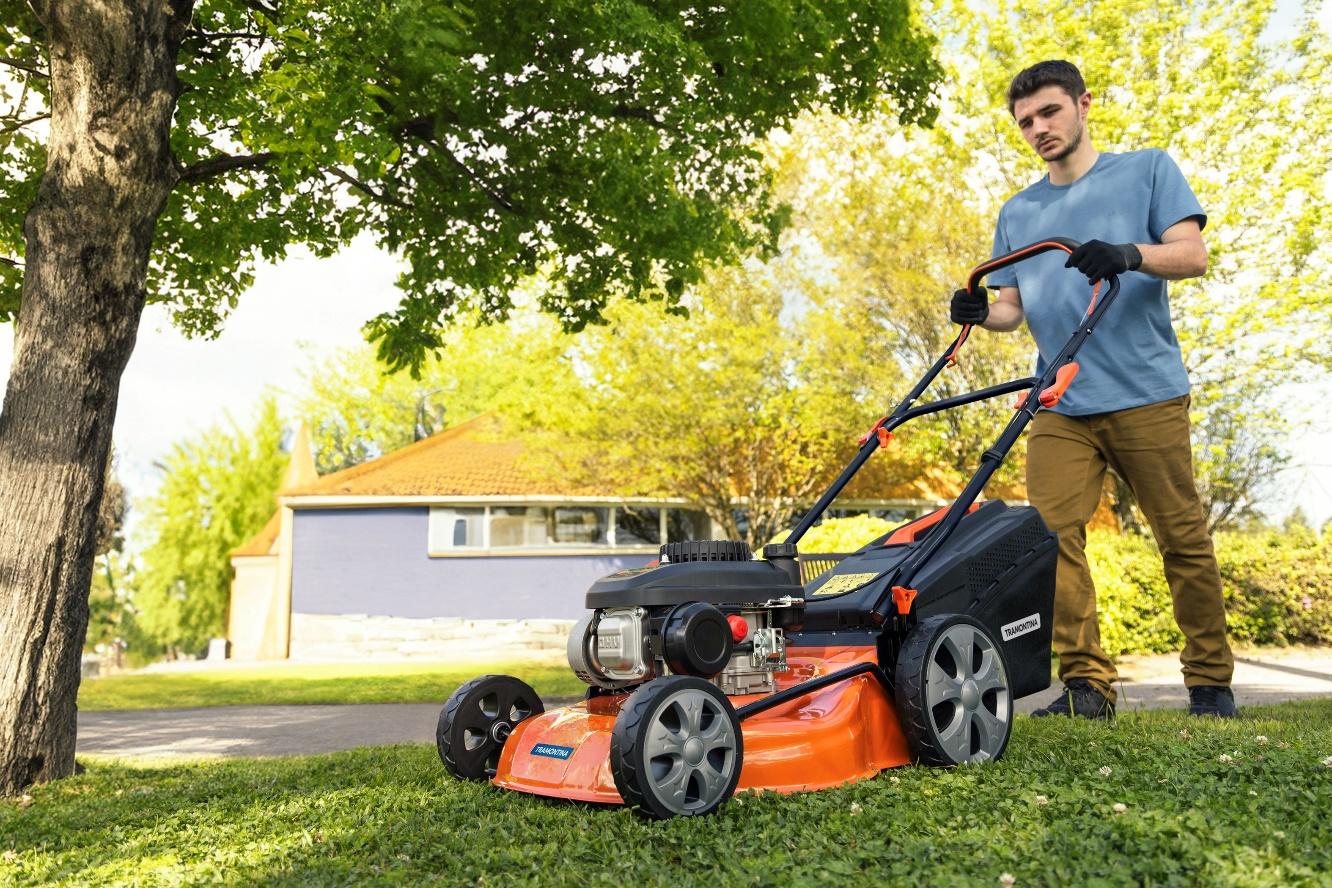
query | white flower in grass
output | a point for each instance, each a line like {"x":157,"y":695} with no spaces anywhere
{"x":1120,"y":808}
{"x":1260,"y":740}
{"x":1224,"y":759}
{"x":1007,"y":880}
{"x":1041,"y":801}
{"x":1253,"y":792}
{"x":894,"y":780}
{"x":1184,"y":734}
{"x":1278,"y":835}
{"x":1327,"y":762}
{"x":855,"y":808}
{"x":1105,"y":771}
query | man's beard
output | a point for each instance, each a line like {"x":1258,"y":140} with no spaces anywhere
{"x":1072,"y":146}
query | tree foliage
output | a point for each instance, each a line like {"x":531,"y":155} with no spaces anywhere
{"x":357,"y":411}
{"x":465,"y":136}
{"x":218,"y":489}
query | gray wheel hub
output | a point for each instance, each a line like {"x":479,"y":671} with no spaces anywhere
{"x":690,"y":751}
{"x":966,"y":695}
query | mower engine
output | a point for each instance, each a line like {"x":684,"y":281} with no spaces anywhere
{"x":706,"y":610}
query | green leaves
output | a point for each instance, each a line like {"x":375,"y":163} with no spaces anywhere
{"x":217,"y":491}
{"x":609,"y":145}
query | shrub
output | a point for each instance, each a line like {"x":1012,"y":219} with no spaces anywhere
{"x":1275,"y":584}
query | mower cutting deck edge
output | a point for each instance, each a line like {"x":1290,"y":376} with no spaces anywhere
{"x":711,"y":671}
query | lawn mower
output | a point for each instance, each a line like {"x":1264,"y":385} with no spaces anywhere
{"x":712,"y":671}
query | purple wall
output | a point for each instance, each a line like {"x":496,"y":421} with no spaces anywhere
{"x":373,"y":561}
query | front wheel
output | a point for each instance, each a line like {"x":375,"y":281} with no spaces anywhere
{"x":952,"y":692}
{"x":677,"y":748}
{"x":476,"y":721}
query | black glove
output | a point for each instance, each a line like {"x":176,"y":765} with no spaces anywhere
{"x":1098,"y":260}
{"x":970,"y":307}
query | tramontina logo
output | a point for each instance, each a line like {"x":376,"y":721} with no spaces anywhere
{"x":551,"y":751}
{"x":1021,"y":627}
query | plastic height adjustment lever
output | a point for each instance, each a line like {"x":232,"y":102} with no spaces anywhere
{"x":1063,"y":378}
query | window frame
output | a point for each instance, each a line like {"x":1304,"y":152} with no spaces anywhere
{"x":612,"y":545}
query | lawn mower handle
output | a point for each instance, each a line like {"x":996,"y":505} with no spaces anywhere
{"x":1045,"y":393}
{"x":1068,"y":245}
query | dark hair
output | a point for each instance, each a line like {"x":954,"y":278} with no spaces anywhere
{"x":1055,"y":72}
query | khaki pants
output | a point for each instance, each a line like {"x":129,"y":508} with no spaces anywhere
{"x":1149,"y":448}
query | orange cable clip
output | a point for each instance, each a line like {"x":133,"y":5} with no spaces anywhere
{"x":903,"y":597}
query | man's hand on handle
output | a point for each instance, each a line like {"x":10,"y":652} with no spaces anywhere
{"x":1098,"y":260}
{"x":970,"y":307}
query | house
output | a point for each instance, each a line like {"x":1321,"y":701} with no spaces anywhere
{"x":454,"y":543}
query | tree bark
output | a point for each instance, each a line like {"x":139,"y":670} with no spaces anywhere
{"x":89,"y":234}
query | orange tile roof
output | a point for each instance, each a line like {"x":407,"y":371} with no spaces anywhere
{"x":470,"y":459}
{"x":475,"y":459}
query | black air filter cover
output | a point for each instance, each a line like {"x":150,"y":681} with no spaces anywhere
{"x":706,"y":550}
{"x":697,"y":640}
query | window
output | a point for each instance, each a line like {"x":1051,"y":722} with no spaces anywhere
{"x":637,"y":526}
{"x":687,"y":524}
{"x":579,"y":524}
{"x":456,"y":529}
{"x":513,"y":527}
{"x":516,"y":526}
{"x":492,"y":528}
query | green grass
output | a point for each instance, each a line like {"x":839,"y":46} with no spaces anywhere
{"x":388,"y":815}
{"x":310,"y":683}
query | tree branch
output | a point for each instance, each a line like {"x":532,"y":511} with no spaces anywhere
{"x":12,"y":263}
{"x":224,"y":163}
{"x":20,"y":124}
{"x":24,"y":66}
{"x":264,"y":9}
{"x":377,"y":196}
{"x":637,"y":113}
{"x":225,"y":35}
{"x":476,"y":180}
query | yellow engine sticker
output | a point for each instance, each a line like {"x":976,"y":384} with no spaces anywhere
{"x":844,"y":583}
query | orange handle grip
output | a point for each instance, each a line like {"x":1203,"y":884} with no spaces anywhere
{"x":1063,"y":377}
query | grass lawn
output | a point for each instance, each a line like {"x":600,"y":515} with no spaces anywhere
{"x":310,"y":683}
{"x":1205,"y":803}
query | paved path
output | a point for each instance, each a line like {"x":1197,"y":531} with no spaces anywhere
{"x":1149,"y":682}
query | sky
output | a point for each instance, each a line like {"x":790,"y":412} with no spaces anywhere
{"x":174,"y":387}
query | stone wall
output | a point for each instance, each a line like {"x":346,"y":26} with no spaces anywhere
{"x":359,"y":637}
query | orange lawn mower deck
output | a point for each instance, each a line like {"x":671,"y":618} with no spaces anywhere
{"x":711,"y":672}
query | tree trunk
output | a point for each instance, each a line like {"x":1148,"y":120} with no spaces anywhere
{"x":89,"y":234}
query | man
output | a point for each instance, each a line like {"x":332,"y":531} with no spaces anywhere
{"x":1128,"y":409}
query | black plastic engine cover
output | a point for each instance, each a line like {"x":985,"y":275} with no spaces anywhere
{"x":714,"y":582}
{"x":998,"y":566}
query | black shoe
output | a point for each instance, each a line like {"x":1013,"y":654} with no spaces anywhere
{"x":1212,"y":700}
{"x":1080,"y":699}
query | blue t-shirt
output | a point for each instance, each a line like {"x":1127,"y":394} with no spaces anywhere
{"x":1132,"y":357}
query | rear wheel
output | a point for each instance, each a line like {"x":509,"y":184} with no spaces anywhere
{"x":677,"y":748}
{"x":476,"y":721}
{"x":952,"y":692}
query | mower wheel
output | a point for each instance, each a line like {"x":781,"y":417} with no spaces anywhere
{"x":952,"y":692}
{"x":476,"y":721}
{"x":676,"y":749}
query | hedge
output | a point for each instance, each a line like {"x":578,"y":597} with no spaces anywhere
{"x":1277,"y":585}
